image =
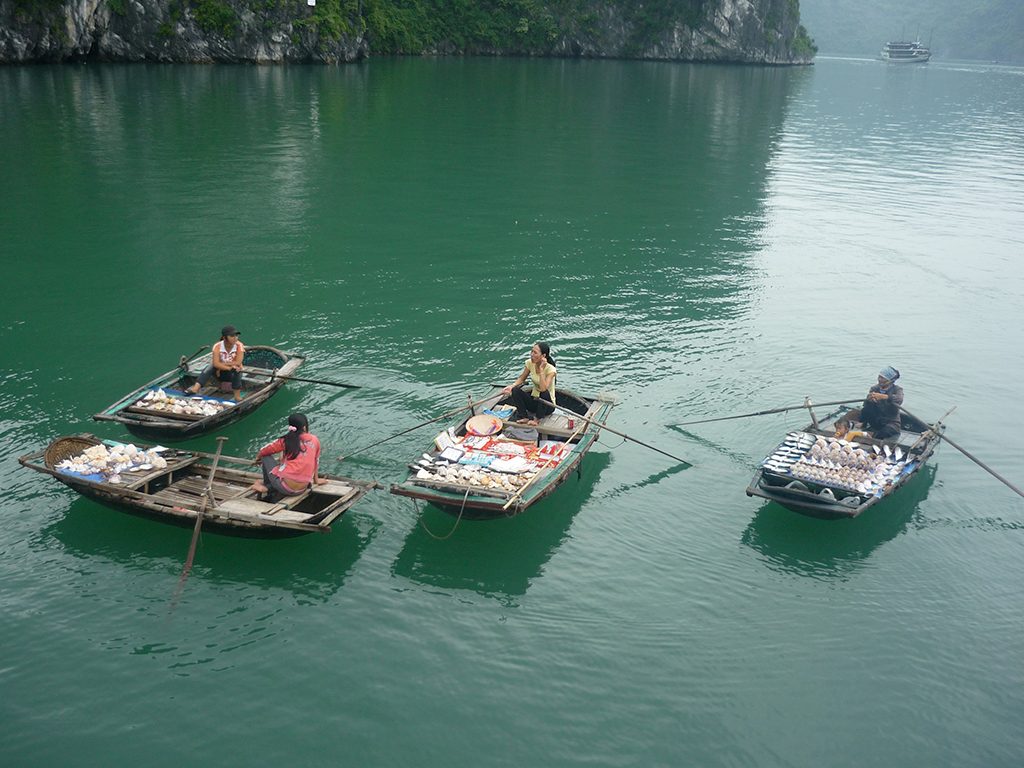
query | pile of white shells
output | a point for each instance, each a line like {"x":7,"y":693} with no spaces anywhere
{"x":159,"y":400}
{"x":111,"y":462}
{"x":843,"y":465}
{"x":473,"y":477}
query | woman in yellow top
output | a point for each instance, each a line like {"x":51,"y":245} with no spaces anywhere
{"x":542,"y":372}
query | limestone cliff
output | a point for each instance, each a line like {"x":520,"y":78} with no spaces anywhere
{"x":264,"y":31}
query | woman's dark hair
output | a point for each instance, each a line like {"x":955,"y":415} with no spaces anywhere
{"x":293,"y":438}
{"x":545,"y":349}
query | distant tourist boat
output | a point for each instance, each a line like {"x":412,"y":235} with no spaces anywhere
{"x":905,"y":52}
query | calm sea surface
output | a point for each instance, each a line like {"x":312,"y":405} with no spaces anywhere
{"x":698,"y":241}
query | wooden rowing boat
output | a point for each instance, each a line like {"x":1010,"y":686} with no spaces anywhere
{"x":813,"y":473}
{"x":174,"y":493}
{"x":262,"y":366}
{"x":559,"y":446}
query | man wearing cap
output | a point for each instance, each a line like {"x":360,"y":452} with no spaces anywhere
{"x":226,"y":359}
{"x":880,"y":412}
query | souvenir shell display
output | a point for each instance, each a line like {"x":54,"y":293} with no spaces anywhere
{"x":109,"y":463}
{"x":161,"y":401}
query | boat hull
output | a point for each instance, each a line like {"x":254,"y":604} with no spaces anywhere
{"x":475,"y":504}
{"x":914,"y":60}
{"x":807,"y":498}
{"x":166,"y":428}
{"x":175,"y":494}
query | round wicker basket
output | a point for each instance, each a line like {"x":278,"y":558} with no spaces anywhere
{"x":66,"y":447}
{"x":264,"y":357}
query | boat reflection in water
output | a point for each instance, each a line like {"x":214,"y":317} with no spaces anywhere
{"x":827,"y":549}
{"x":498,"y":558}
{"x":312,"y":568}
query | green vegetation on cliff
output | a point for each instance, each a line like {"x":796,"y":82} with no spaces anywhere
{"x":332,"y":30}
{"x":535,"y":26}
{"x":473,"y":26}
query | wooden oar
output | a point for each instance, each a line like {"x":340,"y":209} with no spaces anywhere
{"x":765,"y":413}
{"x":972,"y":457}
{"x":207,"y":496}
{"x":273,"y":376}
{"x":183,"y":363}
{"x":934,"y":428}
{"x":548,"y":463}
{"x":623,"y":435}
{"x":470,"y":405}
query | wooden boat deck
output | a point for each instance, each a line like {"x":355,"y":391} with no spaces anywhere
{"x":259,"y":383}
{"x":176,"y":493}
{"x":918,"y":442}
{"x":487,"y":501}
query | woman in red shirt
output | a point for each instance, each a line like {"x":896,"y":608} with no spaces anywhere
{"x":299,"y":466}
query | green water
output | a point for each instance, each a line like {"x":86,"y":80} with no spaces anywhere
{"x":697,"y":241}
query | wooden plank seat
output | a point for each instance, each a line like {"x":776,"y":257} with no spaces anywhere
{"x":247,"y":507}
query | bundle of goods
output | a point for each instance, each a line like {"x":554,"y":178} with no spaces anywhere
{"x":186,"y":405}
{"x":836,"y":463}
{"x":487,"y":462}
{"x":459,"y":474}
{"x":106,"y":464}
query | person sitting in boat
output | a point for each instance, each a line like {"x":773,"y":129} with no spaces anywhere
{"x":226,"y":362}
{"x":880,"y":411}
{"x":299,"y":467}
{"x":540,"y":402}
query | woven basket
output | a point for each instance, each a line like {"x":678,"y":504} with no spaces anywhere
{"x":264,"y":358}
{"x":66,"y":447}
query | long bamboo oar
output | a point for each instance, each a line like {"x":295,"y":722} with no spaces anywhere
{"x":623,"y":435}
{"x":553,"y":460}
{"x":308,"y":381}
{"x":972,"y":457}
{"x":207,"y":495}
{"x":470,"y":405}
{"x":765,"y":413}
{"x":185,"y":360}
{"x":934,"y":428}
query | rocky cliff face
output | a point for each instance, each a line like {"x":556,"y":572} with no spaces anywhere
{"x":266,"y":31}
{"x":166,"y":31}
{"x":741,"y":31}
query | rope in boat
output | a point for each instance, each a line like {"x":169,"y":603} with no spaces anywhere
{"x":457,"y":520}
